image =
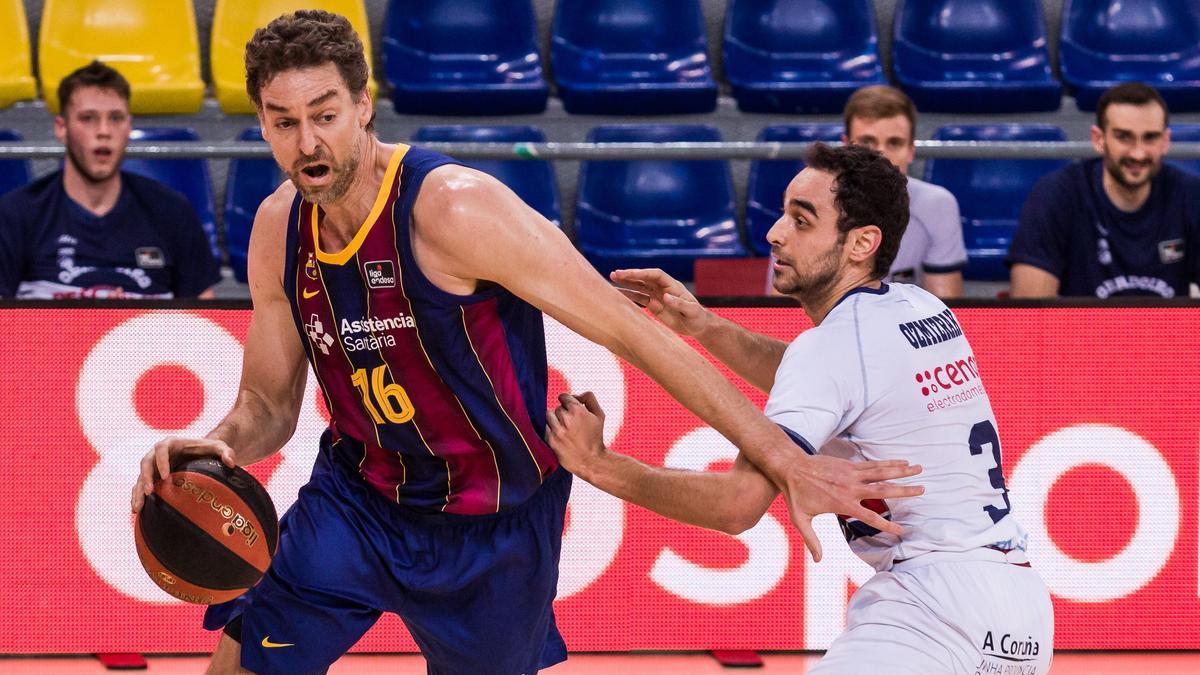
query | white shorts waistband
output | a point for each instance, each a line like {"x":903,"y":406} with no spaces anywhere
{"x":982,"y":554}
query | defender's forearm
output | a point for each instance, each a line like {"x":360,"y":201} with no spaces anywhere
{"x":693,"y":381}
{"x":753,"y":356}
{"x":730,"y":502}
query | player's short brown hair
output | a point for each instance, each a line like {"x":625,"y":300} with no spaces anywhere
{"x":878,"y":102}
{"x":306,"y":38}
{"x":867,"y":190}
{"x":94,"y":74}
{"x":1131,"y":93}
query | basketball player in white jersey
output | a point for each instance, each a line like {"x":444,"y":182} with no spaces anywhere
{"x":886,"y":373}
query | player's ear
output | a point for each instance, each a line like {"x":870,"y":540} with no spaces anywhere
{"x":366,"y":108}
{"x":1096,"y":134}
{"x":864,"y":242}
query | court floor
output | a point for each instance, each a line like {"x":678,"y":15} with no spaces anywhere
{"x":1068,"y":663}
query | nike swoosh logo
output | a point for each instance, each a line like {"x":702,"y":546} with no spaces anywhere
{"x":308,"y":294}
{"x":266,"y":642}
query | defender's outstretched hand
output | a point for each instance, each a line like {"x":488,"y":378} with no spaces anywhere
{"x":819,"y":484}
{"x":665,"y":297}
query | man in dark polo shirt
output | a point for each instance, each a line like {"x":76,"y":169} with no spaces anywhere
{"x":91,"y":230}
{"x":1120,"y":224}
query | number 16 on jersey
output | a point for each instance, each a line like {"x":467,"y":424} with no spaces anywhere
{"x":379,"y":397}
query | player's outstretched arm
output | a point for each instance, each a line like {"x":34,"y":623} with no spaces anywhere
{"x":732,"y":501}
{"x":753,"y":356}
{"x":264,"y":415}
{"x":468,"y":226}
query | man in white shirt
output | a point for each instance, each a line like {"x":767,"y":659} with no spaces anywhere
{"x":886,"y":374}
{"x":932,"y":252}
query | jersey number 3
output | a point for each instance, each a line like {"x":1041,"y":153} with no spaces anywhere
{"x":984,"y":434}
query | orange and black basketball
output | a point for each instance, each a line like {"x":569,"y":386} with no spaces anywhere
{"x":207,"y":533}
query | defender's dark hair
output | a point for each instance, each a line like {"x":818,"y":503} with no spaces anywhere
{"x":867,"y":190}
{"x":94,"y":74}
{"x":1132,"y":93}
{"x":306,"y":38}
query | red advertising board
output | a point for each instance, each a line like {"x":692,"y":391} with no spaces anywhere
{"x":1098,"y":414}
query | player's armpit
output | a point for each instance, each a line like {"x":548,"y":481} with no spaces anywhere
{"x":468,"y":226}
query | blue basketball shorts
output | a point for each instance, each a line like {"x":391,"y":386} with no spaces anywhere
{"x":474,"y":591}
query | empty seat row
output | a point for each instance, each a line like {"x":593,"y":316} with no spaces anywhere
{"x":670,"y":213}
{"x":971,"y":55}
{"x":662,"y":213}
{"x":991,"y":55}
{"x":628,"y":213}
{"x":153,"y":43}
{"x":481,"y":57}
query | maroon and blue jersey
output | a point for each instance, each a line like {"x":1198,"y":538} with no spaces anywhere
{"x":437,"y":400}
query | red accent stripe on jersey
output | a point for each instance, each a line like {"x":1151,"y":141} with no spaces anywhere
{"x":486,"y":331}
{"x":474,"y":480}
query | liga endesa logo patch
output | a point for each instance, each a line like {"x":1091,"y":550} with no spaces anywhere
{"x":380,"y":274}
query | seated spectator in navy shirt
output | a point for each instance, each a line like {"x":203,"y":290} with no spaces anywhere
{"x":91,"y":230}
{"x":1120,"y":224}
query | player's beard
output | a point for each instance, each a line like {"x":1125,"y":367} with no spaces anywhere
{"x":343,"y":176}
{"x":817,"y":278}
{"x":73,"y":156}
{"x":1113,"y":166}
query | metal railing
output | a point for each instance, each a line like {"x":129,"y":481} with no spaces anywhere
{"x":612,"y":151}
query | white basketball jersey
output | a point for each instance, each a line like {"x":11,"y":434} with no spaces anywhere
{"x":889,"y":375}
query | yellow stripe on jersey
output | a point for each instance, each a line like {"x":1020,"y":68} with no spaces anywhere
{"x":385,"y":189}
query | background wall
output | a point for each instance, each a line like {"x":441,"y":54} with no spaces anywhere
{"x":1100,"y":472}
{"x":714,"y":16}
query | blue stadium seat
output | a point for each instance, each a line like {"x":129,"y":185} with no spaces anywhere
{"x":533,"y":181}
{"x":968,"y":56}
{"x":632,"y":57}
{"x":769,"y":178}
{"x":1106,"y":42}
{"x":247,"y":184}
{"x":991,"y":192}
{"x":188,"y":176}
{"x":463,"y":57}
{"x":1185,"y":133}
{"x":800,"y":56}
{"x":13,"y":172}
{"x":655,"y":213}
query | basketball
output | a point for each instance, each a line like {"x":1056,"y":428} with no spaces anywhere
{"x":207,"y":533}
